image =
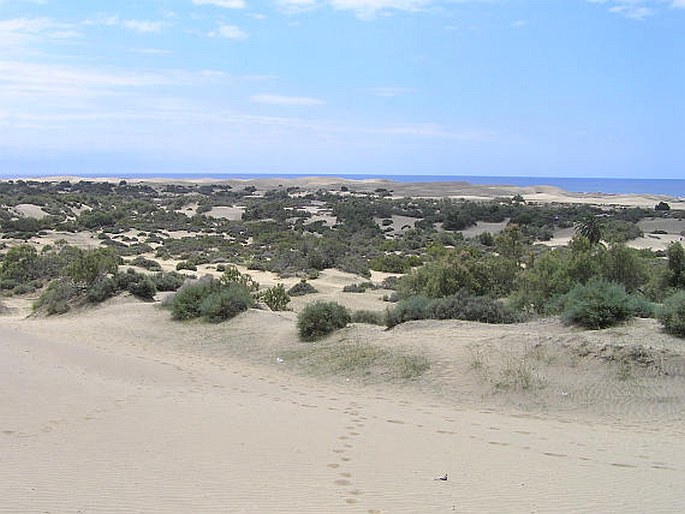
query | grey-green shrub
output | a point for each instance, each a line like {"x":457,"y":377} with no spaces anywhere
{"x":302,"y":288}
{"x":55,"y":299}
{"x":597,"y":304}
{"x":672,"y":314}
{"x":225,"y":303}
{"x":320,"y":319}
{"x":368,"y":317}
{"x":276,"y":298}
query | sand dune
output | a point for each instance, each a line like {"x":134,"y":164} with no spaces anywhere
{"x":118,"y":409}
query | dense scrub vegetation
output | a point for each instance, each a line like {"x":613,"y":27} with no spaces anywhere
{"x":494,"y":277}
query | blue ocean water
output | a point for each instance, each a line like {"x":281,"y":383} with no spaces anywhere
{"x":671,"y":187}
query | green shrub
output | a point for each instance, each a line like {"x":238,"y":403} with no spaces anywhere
{"x":358,"y":288}
{"x":225,"y":303}
{"x":276,"y":298}
{"x":55,"y":299}
{"x":232,"y":275}
{"x":302,"y":288}
{"x":186,"y":303}
{"x":672,"y":314}
{"x":642,"y":307}
{"x":171,"y":281}
{"x":413,"y":308}
{"x":368,"y":317}
{"x":143,"y":287}
{"x":321,"y":318}
{"x":462,"y":306}
{"x":597,"y":304}
{"x":471,"y":308}
{"x":148,"y":264}
{"x":186,"y":265}
{"x":101,"y":290}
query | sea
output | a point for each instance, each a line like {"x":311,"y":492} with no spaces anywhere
{"x":669,"y":187}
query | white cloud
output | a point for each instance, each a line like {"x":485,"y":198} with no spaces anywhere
{"x":272,"y":99}
{"x":21,"y":32}
{"x":228,"y":31}
{"x":639,"y":9}
{"x":140,"y":26}
{"x":370,"y":8}
{"x":226,"y":4}
{"x":296,"y":6}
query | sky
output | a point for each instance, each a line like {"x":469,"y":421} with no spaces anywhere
{"x":574,"y":88}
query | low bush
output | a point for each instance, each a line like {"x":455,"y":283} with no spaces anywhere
{"x":171,"y":281}
{"x":358,"y":288}
{"x":368,"y":317}
{"x":56,"y":298}
{"x":225,"y":303}
{"x":472,"y":308}
{"x":597,"y":304}
{"x":186,"y":265}
{"x":321,"y":318}
{"x":462,"y":306}
{"x":672,"y":314}
{"x":276,"y":298}
{"x":302,"y":288}
{"x":413,"y":308}
{"x":186,"y":303}
{"x":208,"y":298}
{"x":148,"y":264}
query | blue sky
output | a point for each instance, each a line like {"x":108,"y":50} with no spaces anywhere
{"x":454,"y":87}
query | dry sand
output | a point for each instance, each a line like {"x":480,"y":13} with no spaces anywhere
{"x":119,"y":409}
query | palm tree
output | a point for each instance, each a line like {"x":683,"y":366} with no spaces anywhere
{"x":589,"y":228}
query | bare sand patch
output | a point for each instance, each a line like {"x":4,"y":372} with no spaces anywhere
{"x":233,"y":213}
{"x":120,"y":409}
{"x":29,"y":210}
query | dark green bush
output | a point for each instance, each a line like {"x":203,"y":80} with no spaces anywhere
{"x":368,"y":317}
{"x":597,"y":304}
{"x":302,"y":288}
{"x":101,"y":290}
{"x":471,"y":308}
{"x":672,"y":314}
{"x":186,"y":265}
{"x":148,"y":264}
{"x":187,"y":302}
{"x":143,"y":287}
{"x":461,"y":305}
{"x":171,"y":281}
{"x":321,"y":318}
{"x":358,"y":288}
{"x":225,"y":303}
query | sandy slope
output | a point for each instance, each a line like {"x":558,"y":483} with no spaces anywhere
{"x":118,"y":409}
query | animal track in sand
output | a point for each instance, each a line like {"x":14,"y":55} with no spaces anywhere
{"x":341,"y":481}
{"x":396,"y":421}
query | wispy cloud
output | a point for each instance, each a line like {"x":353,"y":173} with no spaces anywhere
{"x":367,"y":9}
{"x":228,"y":31}
{"x":226,"y":4}
{"x":639,"y":9}
{"x":140,"y":26}
{"x":21,"y":32}
{"x":296,"y":6}
{"x":272,"y":99}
